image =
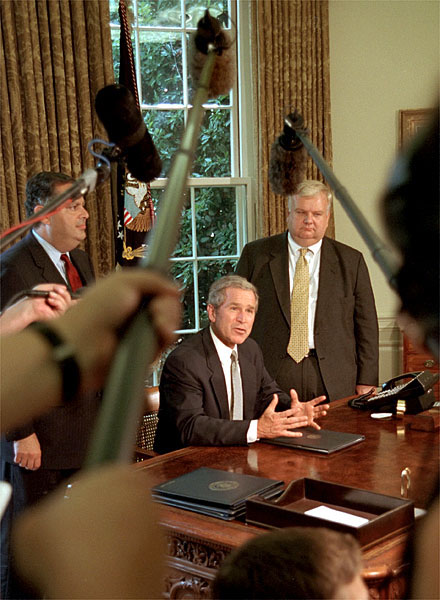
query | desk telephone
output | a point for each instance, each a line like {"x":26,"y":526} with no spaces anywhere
{"x":415,"y":388}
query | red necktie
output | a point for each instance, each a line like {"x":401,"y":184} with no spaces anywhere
{"x":72,"y":274}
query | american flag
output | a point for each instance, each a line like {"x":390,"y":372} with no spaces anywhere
{"x":129,"y":244}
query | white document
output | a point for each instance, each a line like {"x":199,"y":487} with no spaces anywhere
{"x":337,"y":516}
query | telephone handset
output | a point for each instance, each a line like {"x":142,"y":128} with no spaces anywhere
{"x":415,"y":388}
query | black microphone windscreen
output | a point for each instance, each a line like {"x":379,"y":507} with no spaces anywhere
{"x":117,"y":110}
{"x":210,"y":33}
{"x":287,"y":168}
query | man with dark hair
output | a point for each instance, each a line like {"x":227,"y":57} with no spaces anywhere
{"x":214,"y":388}
{"x":40,"y":256}
{"x":39,"y":455}
{"x":317,"y":326}
{"x":43,"y":186}
{"x":296,"y":563}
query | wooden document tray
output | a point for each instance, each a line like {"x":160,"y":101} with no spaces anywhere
{"x":385,"y":514}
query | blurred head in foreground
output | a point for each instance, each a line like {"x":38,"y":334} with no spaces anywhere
{"x":411,"y":210}
{"x":298,"y":562}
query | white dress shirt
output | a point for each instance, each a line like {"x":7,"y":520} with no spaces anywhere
{"x":313,"y":257}
{"x":224,"y":354}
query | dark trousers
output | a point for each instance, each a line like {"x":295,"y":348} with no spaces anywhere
{"x":304,"y":377}
{"x":28,"y":487}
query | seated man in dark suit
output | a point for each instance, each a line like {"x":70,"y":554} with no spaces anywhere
{"x":42,"y":453}
{"x":207,"y":399}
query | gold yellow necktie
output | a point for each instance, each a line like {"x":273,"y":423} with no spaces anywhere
{"x":298,"y":346}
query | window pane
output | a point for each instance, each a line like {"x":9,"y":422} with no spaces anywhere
{"x":209,"y":271}
{"x":196,"y":9}
{"x":157,"y":195}
{"x":161,"y":67}
{"x":115,"y":33}
{"x":221,"y":100}
{"x":183,"y":274}
{"x":159,"y":12}
{"x":216,"y":224}
{"x":213,"y":155}
{"x":184,"y":242}
{"x":166,"y":129}
{"x":184,"y":246}
{"x":114,"y":15}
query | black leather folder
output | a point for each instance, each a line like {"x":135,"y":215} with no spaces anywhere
{"x":318,"y":440}
{"x":214,"y":492}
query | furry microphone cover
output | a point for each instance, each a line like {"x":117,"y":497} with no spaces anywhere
{"x":210,"y":32}
{"x":288,"y":159}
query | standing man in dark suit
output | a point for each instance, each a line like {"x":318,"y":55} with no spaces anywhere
{"x":38,"y":456}
{"x":340,"y":356}
{"x":214,"y":388}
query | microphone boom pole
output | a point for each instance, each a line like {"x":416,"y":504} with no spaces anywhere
{"x":381,"y":254}
{"x":123,"y":396}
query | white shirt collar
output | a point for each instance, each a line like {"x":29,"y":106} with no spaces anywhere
{"x":51,"y":250}
{"x":223,"y":351}
{"x":294,"y":247}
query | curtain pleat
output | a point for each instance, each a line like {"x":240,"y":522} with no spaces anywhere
{"x":291,"y":70}
{"x":56,"y":55}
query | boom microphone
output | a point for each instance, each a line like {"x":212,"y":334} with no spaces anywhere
{"x":288,"y":158}
{"x":117,"y":110}
{"x":210,"y":34}
{"x":123,"y":395}
{"x":295,"y":135}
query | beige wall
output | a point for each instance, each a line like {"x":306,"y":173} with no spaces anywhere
{"x":384,"y":56}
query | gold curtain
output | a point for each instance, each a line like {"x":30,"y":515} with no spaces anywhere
{"x":291,"y":69}
{"x":56,"y":55}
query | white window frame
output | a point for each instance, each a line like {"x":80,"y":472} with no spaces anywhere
{"x":242,"y":184}
{"x":242,"y":137}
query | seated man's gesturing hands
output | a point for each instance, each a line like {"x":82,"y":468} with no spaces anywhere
{"x":273,"y":424}
{"x":311,"y":409}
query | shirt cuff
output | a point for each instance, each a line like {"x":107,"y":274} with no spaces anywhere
{"x":252,"y":432}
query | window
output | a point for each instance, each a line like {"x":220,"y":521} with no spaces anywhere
{"x":213,"y":229}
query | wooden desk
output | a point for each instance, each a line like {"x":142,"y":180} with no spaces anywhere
{"x":197,"y":545}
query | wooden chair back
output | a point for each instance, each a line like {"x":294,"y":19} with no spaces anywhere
{"x":147,"y":426}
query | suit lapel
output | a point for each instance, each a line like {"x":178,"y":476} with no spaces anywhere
{"x":279,"y":269}
{"x":327,"y":273}
{"x":49,"y":272}
{"x":217,"y":378}
{"x":81,"y":262}
{"x":247,"y":371}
